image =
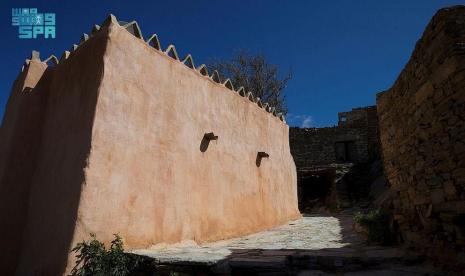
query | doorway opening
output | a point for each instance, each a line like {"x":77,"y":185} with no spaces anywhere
{"x":345,"y":151}
{"x":315,"y":187}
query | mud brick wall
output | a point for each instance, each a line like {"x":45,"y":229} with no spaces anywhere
{"x":114,"y":138}
{"x":422,"y":131}
{"x":316,"y":146}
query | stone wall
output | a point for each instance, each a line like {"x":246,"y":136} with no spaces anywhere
{"x":122,"y":147}
{"x":363,"y":117}
{"x":357,"y":117}
{"x":422,"y":129}
{"x":356,"y":133}
{"x":316,"y":146}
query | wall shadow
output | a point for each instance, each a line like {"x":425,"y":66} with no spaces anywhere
{"x":20,"y":137}
{"x":57,"y":173}
{"x":60,"y":175}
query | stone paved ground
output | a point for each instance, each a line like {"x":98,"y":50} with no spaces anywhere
{"x":312,"y":245}
{"x":307,"y":233}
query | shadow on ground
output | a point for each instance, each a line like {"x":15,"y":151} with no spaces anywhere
{"x":313,"y":245}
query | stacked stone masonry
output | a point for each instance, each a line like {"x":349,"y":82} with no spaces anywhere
{"x":316,"y":146}
{"x":365,"y":118}
{"x":422,"y":131}
{"x":356,"y":134}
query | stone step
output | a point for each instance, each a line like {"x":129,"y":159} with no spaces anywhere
{"x":330,"y":260}
{"x":292,"y":262}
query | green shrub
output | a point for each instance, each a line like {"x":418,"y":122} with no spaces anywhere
{"x":377,"y":222}
{"x":94,"y":259}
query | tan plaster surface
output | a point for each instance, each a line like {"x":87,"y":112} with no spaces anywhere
{"x":120,"y":153}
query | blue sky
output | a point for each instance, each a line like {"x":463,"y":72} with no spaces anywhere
{"x":341,"y":52}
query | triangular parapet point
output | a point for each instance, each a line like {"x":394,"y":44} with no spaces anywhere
{"x":64,"y":56}
{"x":215,"y":76}
{"x":154,"y":42}
{"x":241,"y":91}
{"x":133,"y":28}
{"x":53,"y":59}
{"x":228,"y":84}
{"x":111,"y":19}
{"x":95,"y":29}
{"x":171,"y":51}
{"x":35,"y":55}
{"x":189,"y":61}
{"x":84,"y":38}
{"x":203,"y":70}
{"x":250,"y":96}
